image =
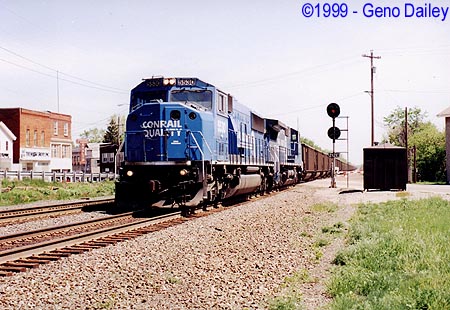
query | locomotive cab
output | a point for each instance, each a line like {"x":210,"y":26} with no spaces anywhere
{"x":165,"y":158}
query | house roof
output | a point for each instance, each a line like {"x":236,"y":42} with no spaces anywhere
{"x":6,"y":130}
{"x":445,"y":113}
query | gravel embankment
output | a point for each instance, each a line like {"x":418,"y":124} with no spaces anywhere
{"x":236,"y":259}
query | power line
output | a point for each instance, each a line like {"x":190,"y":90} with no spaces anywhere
{"x":288,"y":74}
{"x":415,"y":91}
{"x":62,"y":79}
{"x":57,"y":72}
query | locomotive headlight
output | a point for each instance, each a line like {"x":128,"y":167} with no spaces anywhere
{"x":183,"y":172}
{"x":130,"y":173}
{"x":170,"y":81}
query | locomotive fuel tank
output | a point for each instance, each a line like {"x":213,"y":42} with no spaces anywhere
{"x":243,"y":184}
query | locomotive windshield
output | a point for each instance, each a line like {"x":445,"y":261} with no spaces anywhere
{"x":146,"y":97}
{"x":201,"y":97}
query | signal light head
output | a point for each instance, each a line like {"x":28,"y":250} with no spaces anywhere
{"x":334,"y":133}
{"x":333,"y":110}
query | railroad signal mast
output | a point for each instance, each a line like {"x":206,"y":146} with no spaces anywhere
{"x":333,"y":111}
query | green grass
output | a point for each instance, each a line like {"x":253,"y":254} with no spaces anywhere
{"x":329,"y":207}
{"x":26,"y":191}
{"x":291,"y":298}
{"x":398,"y":257}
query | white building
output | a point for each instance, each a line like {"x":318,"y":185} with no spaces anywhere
{"x":6,"y":147}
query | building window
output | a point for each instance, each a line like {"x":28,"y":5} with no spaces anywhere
{"x":35,"y":142}
{"x":66,"y":129}
{"x":42,"y":138}
{"x":111,"y":157}
{"x":56,"y":150}
{"x":65,"y":151}
{"x":7,"y":145}
{"x":55,"y":128}
{"x":104,"y":157}
{"x":27,"y":137}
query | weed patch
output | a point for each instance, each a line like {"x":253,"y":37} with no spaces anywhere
{"x":27,"y":190}
{"x":397,"y":258}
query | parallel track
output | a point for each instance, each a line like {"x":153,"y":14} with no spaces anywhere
{"x":29,"y":213}
{"x":22,"y":258}
{"x":17,"y":259}
{"x":19,"y":252}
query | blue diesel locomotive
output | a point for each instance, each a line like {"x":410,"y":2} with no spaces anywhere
{"x":188,"y":144}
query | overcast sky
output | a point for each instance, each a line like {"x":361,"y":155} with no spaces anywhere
{"x":265,"y":53}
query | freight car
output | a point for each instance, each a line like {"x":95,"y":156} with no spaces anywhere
{"x":316,"y":164}
{"x":187,"y":143}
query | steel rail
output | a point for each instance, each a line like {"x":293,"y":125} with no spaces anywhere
{"x":55,"y":229}
{"x":20,"y":213}
{"x":52,"y":245}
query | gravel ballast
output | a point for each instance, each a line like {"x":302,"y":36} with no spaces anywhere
{"x":236,"y":259}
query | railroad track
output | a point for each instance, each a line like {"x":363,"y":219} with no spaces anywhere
{"x":30,"y":213}
{"x":20,"y":252}
{"x":21,"y":258}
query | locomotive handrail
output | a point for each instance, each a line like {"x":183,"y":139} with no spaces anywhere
{"x":206,"y":142}
{"x":203,"y":158}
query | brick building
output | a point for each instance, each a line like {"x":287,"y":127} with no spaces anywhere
{"x":44,"y":141}
{"x":86,"y":156}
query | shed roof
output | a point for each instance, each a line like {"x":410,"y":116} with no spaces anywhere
{"x":444,"y":113}
{"x":384,"y":146}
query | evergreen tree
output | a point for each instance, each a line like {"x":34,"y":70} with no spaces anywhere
{"x":112,"y":132}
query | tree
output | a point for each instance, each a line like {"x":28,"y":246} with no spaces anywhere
{"x":430,"y":144}
{"x":93,"y":135}
{"x":112,"y":132}
{"x":429,"y":141}
{"x":395,"y":123}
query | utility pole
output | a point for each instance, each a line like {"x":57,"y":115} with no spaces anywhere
{"x":372,"y":71}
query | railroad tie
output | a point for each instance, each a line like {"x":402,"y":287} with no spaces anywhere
{"x":21,"y":264}
{"x":5,"y":273}
{"x":72,"y":250}
{"x":33,"y":261}
{"x":12,"y":268}
{"x":99,"y":244}
{"x":88,"y":247}
{"x":47,"y":256}
{"x":60,"y":253}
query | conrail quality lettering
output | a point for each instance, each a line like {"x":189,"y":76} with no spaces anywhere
{"x":161,"y":128}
